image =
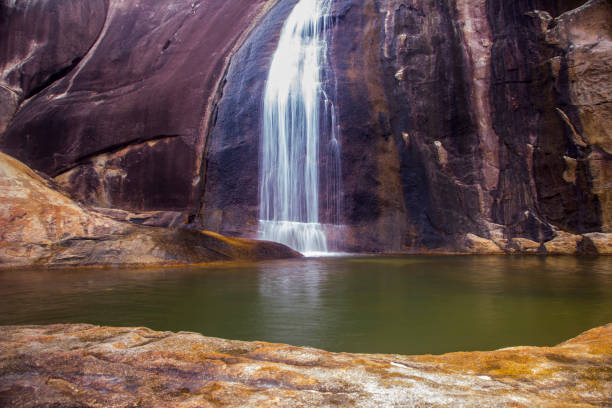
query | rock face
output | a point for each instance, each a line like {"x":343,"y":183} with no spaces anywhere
{"x":91,"y":366}
{"x":460,"y":119}
{"x":455,"y":121}
{"x":41,"y":226}
{"x":578,"y":75}
{"x":231,"y":189}
{"x":110,"y":97}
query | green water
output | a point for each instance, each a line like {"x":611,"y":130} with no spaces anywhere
{"x":408,"y":305}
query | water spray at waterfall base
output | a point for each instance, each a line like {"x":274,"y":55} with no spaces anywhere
{"x":299,"y":119}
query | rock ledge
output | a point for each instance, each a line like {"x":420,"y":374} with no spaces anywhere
{"x":90,"y":366}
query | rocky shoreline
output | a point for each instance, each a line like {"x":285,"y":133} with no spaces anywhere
{"x":473,"y":126}
{"x":82,"y":365}
{"x":40,"y":226}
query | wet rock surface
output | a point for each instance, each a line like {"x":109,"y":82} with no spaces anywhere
{"x":230,"y":203}
{"x":460,"y":118}
{"x":91,"y":366}
{"x":41,"y":226}
{"x":451,"y":123}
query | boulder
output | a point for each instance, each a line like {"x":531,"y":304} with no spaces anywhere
{"x":41,"y":226}
{"x":478,"y":245}
{"x":526,"y":246}
{"x":564,"y":243}
{"x":602,"y":242}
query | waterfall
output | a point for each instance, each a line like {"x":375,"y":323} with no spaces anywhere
{"x":297,"y":114}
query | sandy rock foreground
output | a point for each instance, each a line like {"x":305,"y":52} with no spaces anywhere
{"x":90,"y":366}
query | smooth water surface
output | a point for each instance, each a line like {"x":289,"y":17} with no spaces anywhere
{"x":407,"y":305}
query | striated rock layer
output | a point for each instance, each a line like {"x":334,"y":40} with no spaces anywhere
{"x":41,"y":226}
{"x":91,"y":366}
{"x":466,"y":125}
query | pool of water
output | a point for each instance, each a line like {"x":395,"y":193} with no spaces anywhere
{"x":408,"y":305}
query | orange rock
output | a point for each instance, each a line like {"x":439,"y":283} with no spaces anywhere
{"x":526,"y":245}
{"x":564,"y":243}
{"x":41,"y":226}
{"x":70,"y":365}
{"x":480,"y":245}
{"x":601,"y":241}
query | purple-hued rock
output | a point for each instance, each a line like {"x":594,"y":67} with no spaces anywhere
{"x":461,"y":121}
{"x":121,"y":120}
{"x":448,"y":126}
{"x":231,"y":193}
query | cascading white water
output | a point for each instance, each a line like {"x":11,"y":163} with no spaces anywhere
{"x":292,"y":123}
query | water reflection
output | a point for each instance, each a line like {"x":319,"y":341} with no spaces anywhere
{"x":366,"y":304}
{"x":295,"y":289}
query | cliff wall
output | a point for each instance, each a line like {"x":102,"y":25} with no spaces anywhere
{"x":111,"y":97}
{"x":458,"y":117}
{"x":477,"y":125}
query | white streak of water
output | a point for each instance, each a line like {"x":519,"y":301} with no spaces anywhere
{"x":295,"y":110}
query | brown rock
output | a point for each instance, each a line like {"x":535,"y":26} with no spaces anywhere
{"x":454,"y":115}
{"x":586,"y":35}
{"x":149,"y":218}
{"x":525,"y":245}
{"x":8,"y":105}
{"x":479,"y":245}
{"x":600,"y":167}
{"x":84,"y":365}
{"x":601,"y":241}
{"x":41,"y":41}
{"x":579,"y":152}
{"x":41,"y":226}
{"x":564,"y":243}
{"x":32,"y":212}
